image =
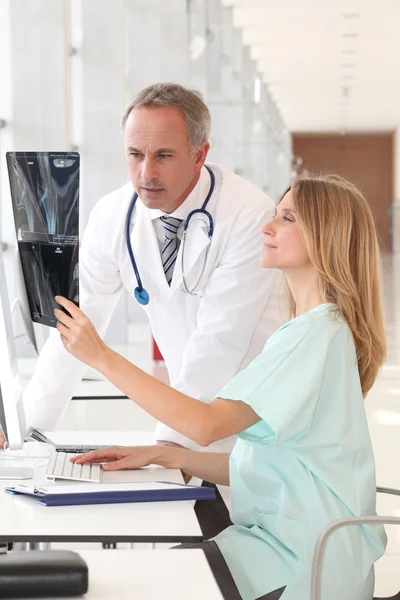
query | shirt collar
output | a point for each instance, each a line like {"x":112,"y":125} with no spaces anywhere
{"x":194,"y":200}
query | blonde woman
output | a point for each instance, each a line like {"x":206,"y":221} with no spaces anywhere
{"x":304,"y":455}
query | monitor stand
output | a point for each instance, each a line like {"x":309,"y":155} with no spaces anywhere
{"x":16,"y":473}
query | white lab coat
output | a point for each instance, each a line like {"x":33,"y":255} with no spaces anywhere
{"x":205,"y":339}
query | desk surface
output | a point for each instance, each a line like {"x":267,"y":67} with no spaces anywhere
{"x":147,"y":575}
{"x":23,"y":520}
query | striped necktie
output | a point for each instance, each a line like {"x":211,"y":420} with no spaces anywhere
{"x":170,"y":247}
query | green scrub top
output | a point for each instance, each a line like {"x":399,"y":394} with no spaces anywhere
{"x":308,"y":461}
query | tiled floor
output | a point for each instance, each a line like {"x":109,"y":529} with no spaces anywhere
{"x":383,"y":409}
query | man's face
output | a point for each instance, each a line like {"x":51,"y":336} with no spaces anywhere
{"x":162,"y":168}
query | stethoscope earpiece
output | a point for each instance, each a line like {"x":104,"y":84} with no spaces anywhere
{"x":142,"y":296}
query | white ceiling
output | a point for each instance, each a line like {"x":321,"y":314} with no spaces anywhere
{"x":331,"y":65}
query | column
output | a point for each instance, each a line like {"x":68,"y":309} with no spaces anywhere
{"x":249,"y":74}
{"x":198,"y":37}
{"x":156,"y":43}
{"x":224,"y":87}
{"x":33,"y":101}
{"x":96,"y":48}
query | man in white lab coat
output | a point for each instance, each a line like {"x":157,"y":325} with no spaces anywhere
{"x":206,"y":336}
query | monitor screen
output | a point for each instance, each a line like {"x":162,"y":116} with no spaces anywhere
{"x":45,"y":198}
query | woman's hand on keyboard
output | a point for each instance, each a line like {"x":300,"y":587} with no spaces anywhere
{"x":117,"y":458}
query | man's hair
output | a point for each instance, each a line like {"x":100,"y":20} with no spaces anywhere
{"x":189,"y":102}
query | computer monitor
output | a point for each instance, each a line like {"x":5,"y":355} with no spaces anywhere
{"x":20,"y":311}
{"x":12,"y":419}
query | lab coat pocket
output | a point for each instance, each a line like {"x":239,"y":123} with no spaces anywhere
{"x":287,"y":536}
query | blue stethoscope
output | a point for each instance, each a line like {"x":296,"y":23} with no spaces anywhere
{"x":142,"y":295}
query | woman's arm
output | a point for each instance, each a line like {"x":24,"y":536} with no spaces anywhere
{"x":202,"y":422}
{"x":209,"y":466}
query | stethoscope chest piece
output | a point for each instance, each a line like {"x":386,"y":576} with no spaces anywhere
{"x":142,"y":296}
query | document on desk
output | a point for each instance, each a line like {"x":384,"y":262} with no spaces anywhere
{"x":112,"y":493}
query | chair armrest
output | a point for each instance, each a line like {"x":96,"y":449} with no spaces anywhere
{"x":320,"y":545}
{"x":385,"y":490}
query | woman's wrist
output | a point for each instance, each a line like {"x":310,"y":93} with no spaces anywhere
{"x":105,"y":361}
{"x":169,"y":457}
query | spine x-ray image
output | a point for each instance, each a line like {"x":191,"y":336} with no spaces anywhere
{"x":45,"y":198}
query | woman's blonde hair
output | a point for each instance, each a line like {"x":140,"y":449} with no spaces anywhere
{"x":341,"y":240}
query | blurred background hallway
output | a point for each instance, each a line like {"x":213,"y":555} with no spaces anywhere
{"x":290,"y":86}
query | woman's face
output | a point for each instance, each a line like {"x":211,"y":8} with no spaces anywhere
{"x":284,"y":246}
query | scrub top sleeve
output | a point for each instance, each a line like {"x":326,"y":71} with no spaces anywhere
{"x":282,"y":385}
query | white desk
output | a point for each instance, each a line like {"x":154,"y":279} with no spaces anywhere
{"x":23,"y":520}
{"x":146,"y":575}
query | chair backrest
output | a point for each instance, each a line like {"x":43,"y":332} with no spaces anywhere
{"x":320,"y":546}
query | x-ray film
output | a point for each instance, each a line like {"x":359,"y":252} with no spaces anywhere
{"x":45,"y":199}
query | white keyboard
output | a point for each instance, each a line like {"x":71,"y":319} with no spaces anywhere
{"x":60,"y":467}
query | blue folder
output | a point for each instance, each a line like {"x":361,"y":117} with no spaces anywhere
{"x":113,"y":493}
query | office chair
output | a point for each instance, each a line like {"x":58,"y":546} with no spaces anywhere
{"x":320,"y":546}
